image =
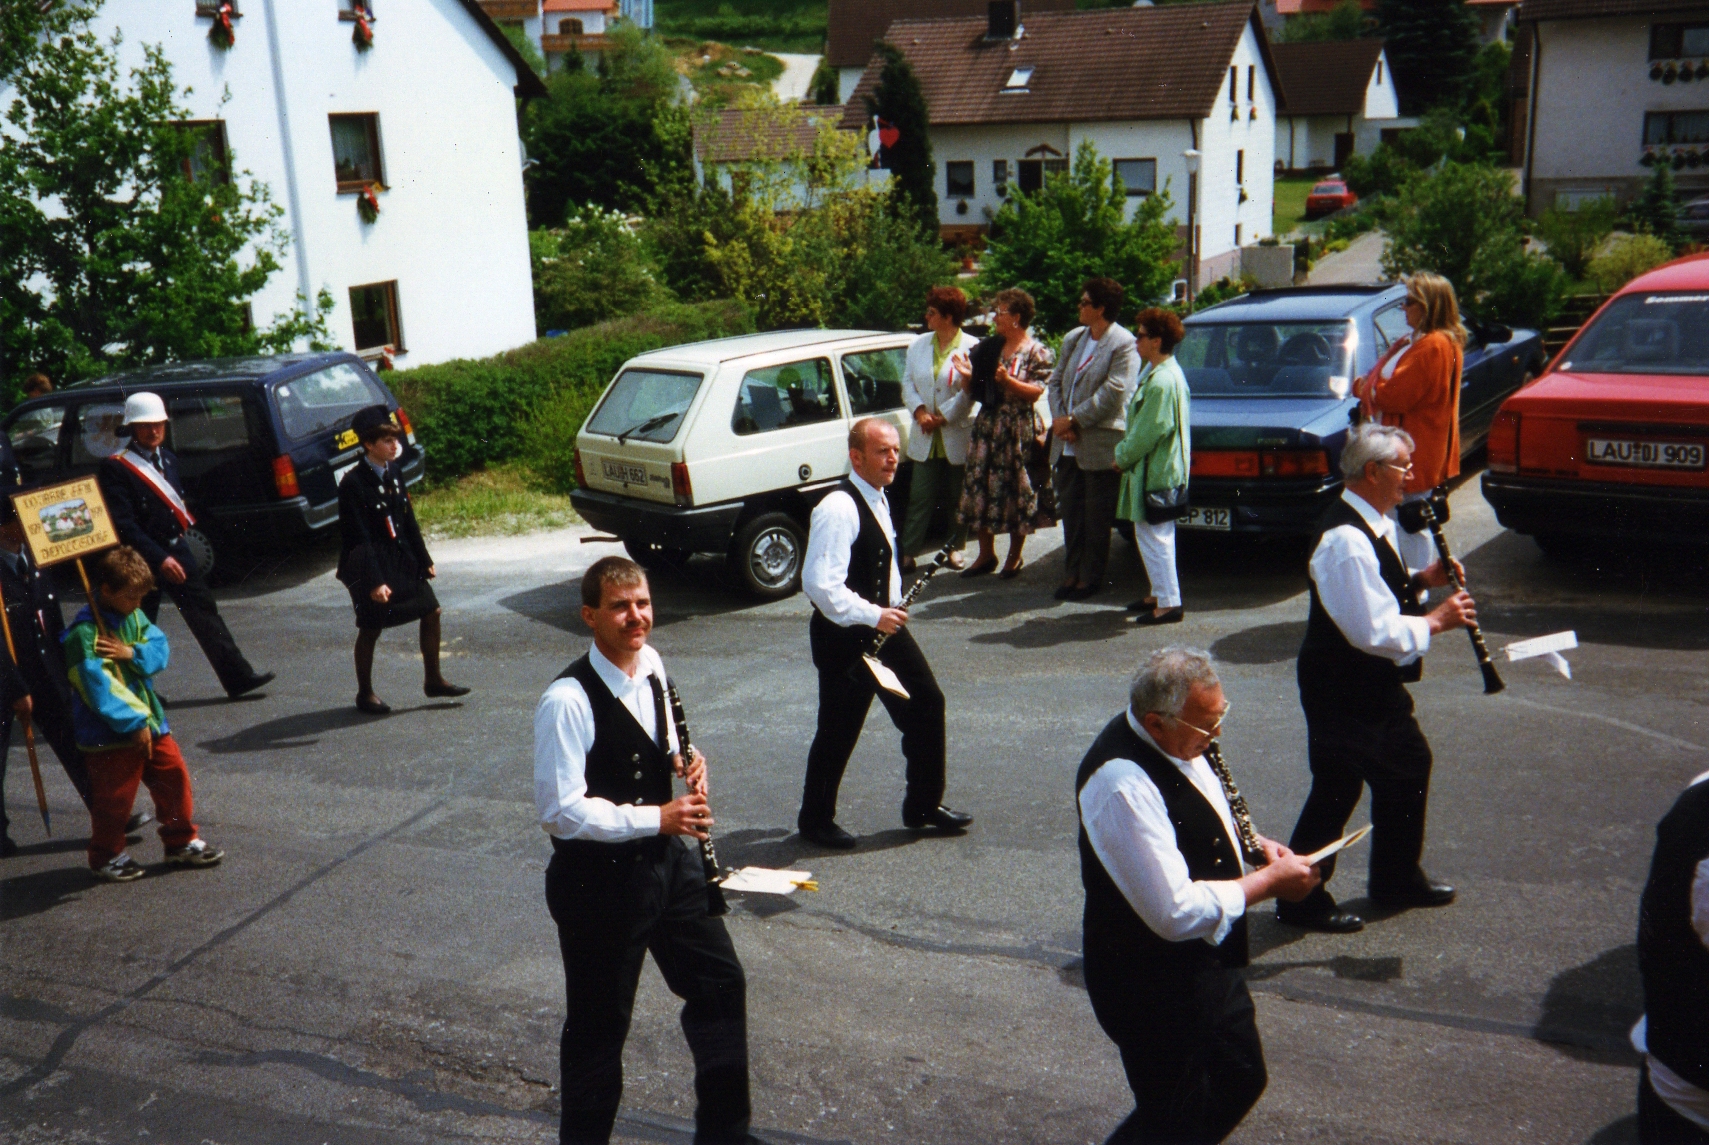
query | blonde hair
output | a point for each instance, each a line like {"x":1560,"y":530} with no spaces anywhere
{"x":1441,"y":307}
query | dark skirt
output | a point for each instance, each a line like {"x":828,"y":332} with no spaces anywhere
{"x":370,"y":613}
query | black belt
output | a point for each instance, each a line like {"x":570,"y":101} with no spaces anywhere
{"x":651,"y":847}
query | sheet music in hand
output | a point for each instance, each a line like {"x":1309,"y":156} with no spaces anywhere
{"x":765,"y":881}
{"x":1340,"y":844}
{"x":887,"y":679}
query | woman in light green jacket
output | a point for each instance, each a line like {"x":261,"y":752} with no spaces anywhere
{"x":1153,"y":456}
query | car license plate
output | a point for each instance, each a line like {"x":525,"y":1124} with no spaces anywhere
{"x":345,"y":440}
{"x":1202,"y":518}
{"x":1644,"y":454}
{"x":620,"y":471}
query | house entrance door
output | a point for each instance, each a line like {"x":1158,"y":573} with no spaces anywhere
{"x":1343,"y":148}
{"x":1032,"y":175}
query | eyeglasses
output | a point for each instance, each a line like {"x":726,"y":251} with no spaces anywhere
{"x":1211,"y":731}
{"x":1403,"y":470}
{"x":1084,"y":302}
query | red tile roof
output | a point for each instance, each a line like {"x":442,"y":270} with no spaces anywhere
{"x":738,"y":135}
{"x":1168,"y":62}
{"x":1593,"y":9}
{"x":1326,"y":78}
{"x":853,"y":26}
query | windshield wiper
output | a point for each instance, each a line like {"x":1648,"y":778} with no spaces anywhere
{"x":653,"y":422}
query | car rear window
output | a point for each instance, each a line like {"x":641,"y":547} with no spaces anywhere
{"x":1267,"y":359}
{"x":1650,"y":333}
{"x":325,"y":399}
{"x":874,"y":379}
{"x":647,"y":405}
{"x":98,"y":433}
{"x":209,"y":423}
{"x":1329,"y":189}
{"x":35,"y":439}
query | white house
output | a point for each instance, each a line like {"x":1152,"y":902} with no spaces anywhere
{"x":1613,"y":88}
{"x":732,"y":145}
{"x":1010,"y":101}
{"x":442,"y":270}
{"x":1338,"y":99}
{"x":853,"y":26}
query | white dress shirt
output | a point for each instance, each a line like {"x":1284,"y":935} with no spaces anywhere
{"x":1687,"y":1100}
{"x":563,"y":733}
{"x":835,"y":525}
{"x":1129,"y":828}
{"x":1350,"y":585}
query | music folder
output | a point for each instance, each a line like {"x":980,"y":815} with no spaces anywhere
{"x":1339,"y":845}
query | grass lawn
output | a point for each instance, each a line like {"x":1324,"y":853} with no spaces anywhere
{"x":1289,"y":211}
{"x":717,"y":70}
{"x":775,"y":25}
{"x":502,"y":501}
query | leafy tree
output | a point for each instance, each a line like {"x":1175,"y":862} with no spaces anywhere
{"x":115,"y":256}
{"x":899,"y":101}
{"x":1626,"y":258}
{"x":1574,"y":237}
{"x":822,"y":88}
{"x":1049,"y":242}
{"x":591,"y":269}
{"x":1345,"y":21}
{"x":1656,"y":209}
{"x":1432,"y":46}
{"x":1465,"y":223}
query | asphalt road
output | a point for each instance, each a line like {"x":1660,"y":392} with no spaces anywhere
{"x":374,"y":962}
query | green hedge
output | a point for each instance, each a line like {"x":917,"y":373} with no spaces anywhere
{"x":473,"y":413}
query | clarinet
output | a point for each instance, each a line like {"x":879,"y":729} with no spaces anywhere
{"x":1492,"y":681}
{"x":715,"y":904}
{"x":1237,"y":810}
{"x":941,"y":561}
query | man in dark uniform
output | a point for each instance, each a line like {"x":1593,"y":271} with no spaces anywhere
{"x":852,"y":578}
{"x":145,"y":496}
{"x":1365,"y":640}
{"x":1167,"y":891}
{"x":619,"y":883}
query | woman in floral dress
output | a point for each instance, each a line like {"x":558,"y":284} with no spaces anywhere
{"x":999,"y":494}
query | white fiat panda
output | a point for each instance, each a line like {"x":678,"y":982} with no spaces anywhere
{"x":725,"y":446}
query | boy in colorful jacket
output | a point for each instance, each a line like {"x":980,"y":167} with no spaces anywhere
{"x":121,"y":726}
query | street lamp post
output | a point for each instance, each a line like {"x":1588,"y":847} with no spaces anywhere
{"x":1192,"y":157}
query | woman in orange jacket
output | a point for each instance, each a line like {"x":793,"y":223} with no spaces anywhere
{"x":1416,"y":386}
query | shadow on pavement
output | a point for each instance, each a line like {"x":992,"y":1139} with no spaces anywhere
{"x":677,"y":595}
{"x":1265,"y":644}
{"x":301,"y":729}
{"x":782,"y":849}
{"x":56,"y":847}
{"x":1589,"y":1010}
{"x":1621,"y":1132}
{"x":1050,"y":631}
{"x":41,"y":891}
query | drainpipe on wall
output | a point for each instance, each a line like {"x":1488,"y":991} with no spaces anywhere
{"x":293,"y":201}
{"x":1531,"y":108}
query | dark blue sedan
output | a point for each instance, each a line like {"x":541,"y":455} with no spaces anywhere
{"x":1271,"y":375}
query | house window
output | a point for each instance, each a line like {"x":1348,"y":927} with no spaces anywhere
{"x":1379,"y":73}
{"x":347,"y":8}
{"x":570,"y":27}
{"x":374,"y":315}
{"x":958,"y":182}
{"x":356,"y":151}
{"x":1018,"y":79}
{"x":1234,"y":85}
{"x":1251,"y":82}
{"x":1240,"y":167}
{"x":1056,"y":166}
{"x":212,"y":8}
{"x":1138,"y":176}
{"x":1671,"y":41}
{"x":1663,"y":127}
{"x":206,"y":162}
{"x":1000,"y":174}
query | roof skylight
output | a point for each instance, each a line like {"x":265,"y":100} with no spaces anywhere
{"x":1019,"y":79}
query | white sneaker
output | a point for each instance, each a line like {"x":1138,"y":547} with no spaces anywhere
{"x":195,"y":853}
{"x":121,"y":868}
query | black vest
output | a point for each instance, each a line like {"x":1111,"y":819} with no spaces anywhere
{"x":624,"y":765}
{"x":1203,"y":840}
{"x":1671,"y":955}
{"x":1326,"y":653}
{"x":870,"y":555}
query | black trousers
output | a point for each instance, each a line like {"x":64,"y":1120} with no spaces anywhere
{"x":846,"y":689}
{"x":1659,"y":1123}
{"x":202,"y":617}
{"x":1086,"y":502}
{"x":1190,"y":1049}
{"x":52,"y":719}
{"x":612,"y":907}
{"x":1357,"y":736}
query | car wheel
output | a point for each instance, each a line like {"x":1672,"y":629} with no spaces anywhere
{"x":201,"y":549}
{"x":767,"y":555}
{"x":656,"y":558}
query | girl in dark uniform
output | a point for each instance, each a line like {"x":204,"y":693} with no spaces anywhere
{"x":385,"y":564}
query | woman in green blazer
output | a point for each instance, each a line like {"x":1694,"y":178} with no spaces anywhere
{"x":1155,"y":455}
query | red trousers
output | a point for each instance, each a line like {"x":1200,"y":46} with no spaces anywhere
{"x":114,"y":775}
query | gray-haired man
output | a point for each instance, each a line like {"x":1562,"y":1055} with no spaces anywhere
{"x":1166,"y":896}
{"x":1365,"y":641}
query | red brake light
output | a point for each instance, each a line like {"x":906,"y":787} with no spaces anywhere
{"x":1294,"y":463}
{"x":285,"y":477}
{"x":680,"y":484}
{"x":1504,"y":443}
{"x":581,"y":478}
{"x":1252,"y":463}
{"x":404,"y":424}
{"x":1225,"y":463}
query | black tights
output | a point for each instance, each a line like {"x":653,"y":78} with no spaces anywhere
{"x":368,"y":638}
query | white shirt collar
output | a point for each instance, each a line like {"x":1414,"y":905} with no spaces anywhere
{"x":873,"y":494}
{"x":1379,"y":523}
{"x":1139,"y":730}
{"x":615,"y":677}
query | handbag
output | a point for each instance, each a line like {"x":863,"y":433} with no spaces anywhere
{"x":1164,"y":505}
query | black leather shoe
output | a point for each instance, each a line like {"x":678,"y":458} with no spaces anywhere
{"x":1149,"y":604}
{"x":7,"y":847}
{"x":1422,"y":891}
{"x":1167,"y":616}
{"x":828,"y":835}
{"x":1333,"y":921}
{"x":444,"y":690}
{"x":259,"y":680}
{"x":939,"y":817}
{"x":374,"y":707}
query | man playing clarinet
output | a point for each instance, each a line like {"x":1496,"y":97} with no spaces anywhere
{"x":1365,"y":640}
{"x":620,"y":883}
{"x":1171,"y":862}
{"x":852,"y":578}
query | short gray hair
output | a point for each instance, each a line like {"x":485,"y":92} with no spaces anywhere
{"x":1371,"y":442}
{"x":1167,"y":677}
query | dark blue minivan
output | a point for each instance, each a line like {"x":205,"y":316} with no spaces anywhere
{"x":262,"y":442}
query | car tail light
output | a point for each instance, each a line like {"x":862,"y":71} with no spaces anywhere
{"x":581,"y":477}
{"x":1225,"y":463}
{"x":1294,"y":463}
{"x":404,"y":423}
{"x":285,"y":477}
{"x":1504,"y":443}
{"x":680,"y":484}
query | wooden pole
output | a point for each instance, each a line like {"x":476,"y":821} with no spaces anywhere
{"x":29,"y":730}
{"x":94,"y":605}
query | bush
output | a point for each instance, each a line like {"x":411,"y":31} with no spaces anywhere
{"x":1383,"y":172}
{"x":1625,"y":258}
{"x":1573,"y":237}
{"x":590,"y":270}
{"x":473,"y":413}
{"x":1656,"y":209}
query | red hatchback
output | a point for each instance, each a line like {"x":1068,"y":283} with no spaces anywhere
{"x":1613,"y":439}
{"x":1327,"y":197}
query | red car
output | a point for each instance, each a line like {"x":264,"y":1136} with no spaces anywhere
{"x":1613,"y":440}
{"x":1327,"y":197}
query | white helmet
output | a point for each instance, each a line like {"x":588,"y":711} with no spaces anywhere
{"x":144,"y":407}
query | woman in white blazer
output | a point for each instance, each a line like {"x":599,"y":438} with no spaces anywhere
{"x":935,"y":390}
